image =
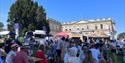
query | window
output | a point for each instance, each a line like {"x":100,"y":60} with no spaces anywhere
{"x":106,"y":27}
{"x":101,"y":26}
{"x":69,"y":29}
{"x":82,"y":28}
{"x":77,"y":28}
{"x":96,"y":27}
{"x":65,"y":29}
{"x":87,"y":27}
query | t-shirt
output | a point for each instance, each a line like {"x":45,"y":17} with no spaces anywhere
{"x":82,"y":56}
{"x":60,"y":44}
{"x":40,"y":54}
{"x":73,"y":51}
{"x":21,"y":57}
{"x":27,"y":41}
{"x":21,"y":39}
{"x":73,"y":60}
{"x":8,"y":44}
{"x":9,"y":57}
{"x":1,"y":51}
{"x":113,"y":44}
{"x":97,"y":41}
{"x":66,"y":55}
{"x":95,"y":54}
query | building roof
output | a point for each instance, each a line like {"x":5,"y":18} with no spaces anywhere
{"x":83,"y":21}
{"x":90,"y":21}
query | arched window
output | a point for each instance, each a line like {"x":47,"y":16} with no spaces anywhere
{"x":65,"y":29}
{"x":77,"y":28}
{"x":82,"y":28}
{"x":69,"y":29}
{"x":101,"y":26}
{"x":96,"y":27}
{"x":87,"y":27}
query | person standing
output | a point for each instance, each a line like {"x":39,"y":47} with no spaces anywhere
{"x":72,"y":58}
{"x":22,"y":56}
{"x":10,"y":56}
{"x":114,"y":50}
{"x":40,"y":54}
{"x":9,"y":42}
{"x":60,"y":49}
{"x":89,"y":58}
{"x":123,"y":48}
{"x":2,"y":53}
{"x":95,"y":53}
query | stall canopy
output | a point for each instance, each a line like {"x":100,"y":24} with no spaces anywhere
{"x":39,"y":32}
{"x":64,"y":34}
{"x":4,"y":32}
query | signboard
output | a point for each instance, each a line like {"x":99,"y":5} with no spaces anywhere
{"x":16,"y":27}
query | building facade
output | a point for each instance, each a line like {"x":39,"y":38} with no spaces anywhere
{"x":91,"y":28}
{"x":55,"y":26}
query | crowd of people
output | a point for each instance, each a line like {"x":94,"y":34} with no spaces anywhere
{"x":89,"y":51}
{"x":61,"y":50}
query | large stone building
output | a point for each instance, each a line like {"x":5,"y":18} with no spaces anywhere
{"x":91,"y":28}
{"x":55,"y":26}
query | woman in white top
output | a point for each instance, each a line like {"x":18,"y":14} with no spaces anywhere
{"x":72,"y":56}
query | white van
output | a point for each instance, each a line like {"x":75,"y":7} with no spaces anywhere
{"x":39,"y":36}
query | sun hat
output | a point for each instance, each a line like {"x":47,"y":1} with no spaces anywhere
{"x":14,"y":45}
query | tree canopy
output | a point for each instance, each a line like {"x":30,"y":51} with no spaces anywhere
{"x":28,"y":14}
{"x":1,"y":26}
{"x":121,"y":36}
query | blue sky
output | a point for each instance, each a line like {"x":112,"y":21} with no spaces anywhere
{"x":75,"y":10}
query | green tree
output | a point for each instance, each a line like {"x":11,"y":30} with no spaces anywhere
{"x":41,"y":17}
{"x":31,"y":27}
{"x":1,"y":26}
{"x":28,"y":14}
{"x":121,"y":36}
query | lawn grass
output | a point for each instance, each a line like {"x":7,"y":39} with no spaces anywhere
{"x":119,"y":57}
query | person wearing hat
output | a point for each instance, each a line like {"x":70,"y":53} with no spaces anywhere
{"x":9,"y":42}
{"x":22,"y":55}
{"x":10,"y":56}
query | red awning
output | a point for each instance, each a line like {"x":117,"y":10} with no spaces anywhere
{"x":64,"y":34}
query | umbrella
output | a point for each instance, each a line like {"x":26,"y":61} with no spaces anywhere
{"x":64,"y":34}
